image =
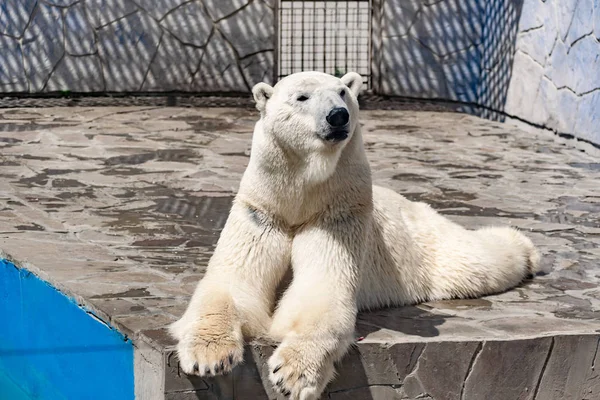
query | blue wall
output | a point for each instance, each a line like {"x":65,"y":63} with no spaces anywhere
{"x":51,"y":348}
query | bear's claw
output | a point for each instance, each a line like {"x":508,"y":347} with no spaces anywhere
{"x":210,"y":345}
{"x":209,"y":358}
{"x":295,"y":374}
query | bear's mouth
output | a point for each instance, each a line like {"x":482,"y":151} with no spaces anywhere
{"x":336,"y":136}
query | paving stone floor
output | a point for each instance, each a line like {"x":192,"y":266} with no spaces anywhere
{"x":121,"y":207}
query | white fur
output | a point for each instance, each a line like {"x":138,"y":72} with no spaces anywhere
{"x":309,"y":204}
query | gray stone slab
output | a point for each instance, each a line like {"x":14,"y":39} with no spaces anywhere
{"x":176,"y":381}
{"x":570,"y":70}
{"x":159,"y":9}
{"x":190,"y":24}
{"x":77,"y":74}
{"x":498,"y":370}
{"x":369,"y":364}
{"x":104,"y":12}
{"x":596,"y":20}
{"x":411,"y":69}
{"x":565,"y":11}
{"x":43,"y":45}
{"x":163,"y":69}
{"x":441,"y":370}
{"x":219,"y":69}
{"x":250,"y":30}
{"x":525,"y":84}
{"x":149,"y":372}
{"x":219,"y":9}
{"x":79,"y":31}
{"x":12,"y":70}
{"x":399,"y":16}
{"x":127,"y":48}
{"x":62,"y":3}
{"x":124,"y":207}
{"x":460,"y":23}
{"x":587,"y":119}
{"x":16,"y":17}
{"x":582,"y":23}
{"x":258,"y":67}
{"x":368,"y":393}
{"x":570,"y":369}
{"x":463,"y":70}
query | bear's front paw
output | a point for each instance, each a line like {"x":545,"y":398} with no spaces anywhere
{"x":297,"y":371}
{"x":209,"y":347}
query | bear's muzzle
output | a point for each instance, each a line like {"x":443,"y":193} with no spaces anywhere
{"x":338,"y":117}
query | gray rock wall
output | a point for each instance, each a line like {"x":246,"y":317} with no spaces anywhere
{"x":450,"y":49}
{"x":542,"y":368}
{"x":556,"y":70}
{"x":538,"y":60}
{"x":534,"y":59}
{"x":133,"y":46}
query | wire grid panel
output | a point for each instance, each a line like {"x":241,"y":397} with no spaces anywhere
{"x":328,"y":36}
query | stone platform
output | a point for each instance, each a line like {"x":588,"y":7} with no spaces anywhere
{"x":120,"y":209}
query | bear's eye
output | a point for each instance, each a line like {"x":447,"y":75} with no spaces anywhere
{"x":342,"y":93}
{"x":302,"y":97}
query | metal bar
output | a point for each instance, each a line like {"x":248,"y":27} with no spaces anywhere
{"x":353,"y":34}
{"x":335,"y":44}
{"x":369,"y":42}
{"x":314,"y":31}
{"x":302,"y":43}
{"x":325,"y":37}
{"x":346,"y":33}
{"x":290,"y":40}
{"x":276,"y":44}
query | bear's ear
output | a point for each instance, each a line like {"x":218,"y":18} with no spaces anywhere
{"x":261,"y":92}
{"x":354,"y":81}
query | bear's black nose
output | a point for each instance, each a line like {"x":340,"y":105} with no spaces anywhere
{"x":338,"y":117}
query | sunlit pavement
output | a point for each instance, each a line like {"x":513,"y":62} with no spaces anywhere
{"x":121,"y":208}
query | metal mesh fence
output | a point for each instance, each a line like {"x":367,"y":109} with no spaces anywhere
{"x":328,"y":36}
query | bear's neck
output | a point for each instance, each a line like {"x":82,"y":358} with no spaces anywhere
{"x":283,"y":183}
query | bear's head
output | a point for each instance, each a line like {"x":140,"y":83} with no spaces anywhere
{"x":312,"y":115}
{"x":311,"y":108}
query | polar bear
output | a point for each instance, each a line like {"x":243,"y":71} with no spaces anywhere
{"x":306,"y":202}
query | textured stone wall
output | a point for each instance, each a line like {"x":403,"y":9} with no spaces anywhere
{"x":135,"y":45}
{"x":556,"y":70}
{"x":538,"y":60}
{"x":533,"y":59}
{"x":451,"y":49}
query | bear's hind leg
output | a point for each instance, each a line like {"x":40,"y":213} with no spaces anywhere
{"x":482,"y":262}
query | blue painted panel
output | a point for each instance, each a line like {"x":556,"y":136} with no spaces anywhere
{"x":9,"y":390}
{"x":54,"y":349}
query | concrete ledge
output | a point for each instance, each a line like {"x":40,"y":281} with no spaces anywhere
{"x":119,"y":209}
{"x":552,"y":367}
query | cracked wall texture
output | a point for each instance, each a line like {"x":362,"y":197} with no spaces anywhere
{"x":135,"y":45}
{"x":533,"y":59}
{"x":556,"y":71}
{"x":538,"y":60}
